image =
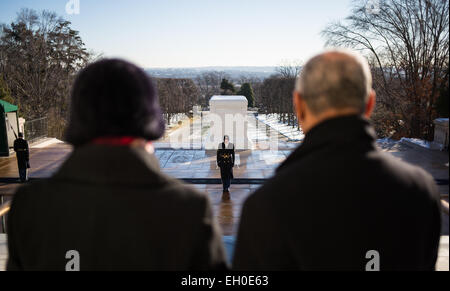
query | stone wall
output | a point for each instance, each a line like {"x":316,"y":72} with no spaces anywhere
{"x":441,"y":132}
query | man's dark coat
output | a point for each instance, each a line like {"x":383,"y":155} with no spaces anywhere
{"x":114,"y":207}
{"x":336,"y":198}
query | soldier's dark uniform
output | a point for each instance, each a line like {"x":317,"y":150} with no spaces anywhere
{"x":225,"y":160}
{"x":23,"y":157}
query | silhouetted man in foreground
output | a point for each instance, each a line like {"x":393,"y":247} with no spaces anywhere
{"x":23,"y":156}
{"x":109,"y":204}
{"x":338,"y":202}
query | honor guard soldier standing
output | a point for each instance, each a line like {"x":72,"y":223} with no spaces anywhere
{"x":225,"y":161}
{"x":23,"y":156}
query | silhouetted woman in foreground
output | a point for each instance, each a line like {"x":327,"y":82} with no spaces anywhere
{"x":109,"y":203}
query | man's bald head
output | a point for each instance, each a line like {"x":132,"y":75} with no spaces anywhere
{"x":337,"y":79}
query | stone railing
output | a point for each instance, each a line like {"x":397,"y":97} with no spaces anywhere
{"x":441,"y":133}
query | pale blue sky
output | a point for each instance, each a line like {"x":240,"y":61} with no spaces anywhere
{"x":197,"y":33}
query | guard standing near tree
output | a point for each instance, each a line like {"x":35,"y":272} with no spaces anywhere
{"x":23,"y":156}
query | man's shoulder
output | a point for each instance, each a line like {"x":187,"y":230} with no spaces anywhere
{"x":273,"y":191}
{"x":379,"y":165}
{"x":406,"y":173}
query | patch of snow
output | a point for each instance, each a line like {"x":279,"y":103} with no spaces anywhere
{"x":386,"y":141}
{"x":287,"y":130}
{"x":416,"y":141}
{"x":46,"y":143}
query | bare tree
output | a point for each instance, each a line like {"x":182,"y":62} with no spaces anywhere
{"x":276,"y":98}
{"x":176,"y":96}
{"x":289,"y":69}
{"x":208,"y":84}
{"x":407,"y":44}
{"x":39,"y":57}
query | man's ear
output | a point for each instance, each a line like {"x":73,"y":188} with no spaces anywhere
{"x":296,"y":99}
{"x":370,"y":104}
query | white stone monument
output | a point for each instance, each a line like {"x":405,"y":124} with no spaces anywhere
{"x":228,"y":116}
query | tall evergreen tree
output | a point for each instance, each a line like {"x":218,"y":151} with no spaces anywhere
{"x":5,"y":93}
{"x":247,"y":91}
{"x":227,"y":87}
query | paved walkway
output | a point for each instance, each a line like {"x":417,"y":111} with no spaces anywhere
{"x":202,"y":163}
{"x":227,"y":208}
{"x":193,"y":134}
{"x":44,"y":160}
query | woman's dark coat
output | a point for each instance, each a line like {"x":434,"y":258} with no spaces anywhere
{"x":115,"y":207}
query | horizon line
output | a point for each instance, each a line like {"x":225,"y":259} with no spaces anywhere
{"x":208,"y":67}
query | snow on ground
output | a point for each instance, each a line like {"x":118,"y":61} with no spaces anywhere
{"x":297,"y":135}
{"x":290,"y":132}
{"x":386,"y":142}
{"x":416,"y":141}
{"x":46,"y":143}
{"x":197,"y":137}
